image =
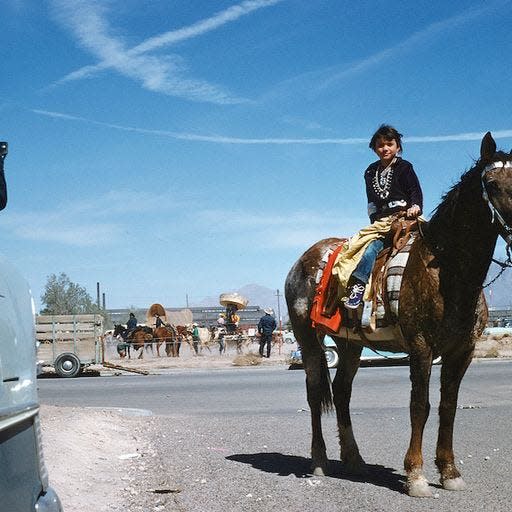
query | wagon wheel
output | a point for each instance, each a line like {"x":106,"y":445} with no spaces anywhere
{"x":67,"y":365}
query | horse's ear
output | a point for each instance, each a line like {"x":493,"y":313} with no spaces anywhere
{"x":488,"y":147}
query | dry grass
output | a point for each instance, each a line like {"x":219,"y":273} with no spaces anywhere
{"x":250,"y":359}
{"x":492,"y":352}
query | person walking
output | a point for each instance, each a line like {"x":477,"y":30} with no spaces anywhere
{"x":195,"y":338}
{"x":266,"y":326}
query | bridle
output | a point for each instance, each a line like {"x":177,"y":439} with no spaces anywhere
{"x":495,"y":214}
{"x":496,"y":217}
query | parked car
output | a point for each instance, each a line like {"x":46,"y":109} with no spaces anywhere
{"x":369,"y":357}
{"x":24,"y":482}
{"x":289,"y":337}
{"x":494,"y":331}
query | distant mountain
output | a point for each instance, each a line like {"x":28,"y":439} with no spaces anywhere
{"x":257,"y":295}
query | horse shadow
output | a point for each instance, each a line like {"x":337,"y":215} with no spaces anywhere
{"x":286,"y":465}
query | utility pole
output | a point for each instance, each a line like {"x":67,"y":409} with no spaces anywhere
{"x":280,"y":323}
{"x":98,"y":294}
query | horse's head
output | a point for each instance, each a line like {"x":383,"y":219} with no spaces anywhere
{"x":118,"y":329}
{"x":497,"y":185}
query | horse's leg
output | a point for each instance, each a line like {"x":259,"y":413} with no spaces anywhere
{"x":319,"y":397}
{"x":420,"y":368}
{"x":453,"y":369}
{"x":350,"y":355}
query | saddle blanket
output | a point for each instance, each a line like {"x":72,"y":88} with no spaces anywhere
{"x":387,"y":330}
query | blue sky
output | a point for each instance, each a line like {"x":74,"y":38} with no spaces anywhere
{"x":180,"y":148}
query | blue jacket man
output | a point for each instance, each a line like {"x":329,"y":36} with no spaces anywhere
{"x":266,"y":327}
{"x":132,"y":322}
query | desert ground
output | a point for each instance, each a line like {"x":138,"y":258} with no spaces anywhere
{"x":91,"y":465}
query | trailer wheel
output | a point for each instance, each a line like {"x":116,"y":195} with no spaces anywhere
{"x":67,"y":365}
{"x":332,"y":357}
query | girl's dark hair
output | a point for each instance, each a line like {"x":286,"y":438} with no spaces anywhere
{"x":386,"y":132}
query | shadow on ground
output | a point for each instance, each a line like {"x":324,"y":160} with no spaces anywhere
{"x":285,"y":465}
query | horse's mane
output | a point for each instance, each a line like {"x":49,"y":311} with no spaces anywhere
{"x":441,"y":224}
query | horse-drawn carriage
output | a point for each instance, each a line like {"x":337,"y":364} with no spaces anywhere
{"x":232,"y":336}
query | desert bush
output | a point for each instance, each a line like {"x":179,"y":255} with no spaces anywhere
{"x":492,"y":352}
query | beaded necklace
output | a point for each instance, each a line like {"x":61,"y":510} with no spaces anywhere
{"x":381,"y":181}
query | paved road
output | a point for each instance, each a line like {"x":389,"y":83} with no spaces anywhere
{"x":238,"y":439}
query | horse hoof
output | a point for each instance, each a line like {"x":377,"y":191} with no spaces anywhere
{"x":319,"y":471}
{"x":419,"y":488}
{"x":454,"y":484}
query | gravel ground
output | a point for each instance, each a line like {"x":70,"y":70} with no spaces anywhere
{"x":107,"y":460}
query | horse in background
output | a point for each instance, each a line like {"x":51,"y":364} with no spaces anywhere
{"x":217,"y":334}
{"x":167,"y":334}
{"x":185,"y":331}
{"x":136,"y":338}
{"x":442,"y":311}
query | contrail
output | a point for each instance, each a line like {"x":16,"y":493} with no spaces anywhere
{"x":223,"y":139}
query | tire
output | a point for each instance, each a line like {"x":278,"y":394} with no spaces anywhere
{"x":67,"y":365}
{"x":332,"y":357}
{"x":289,"y":340}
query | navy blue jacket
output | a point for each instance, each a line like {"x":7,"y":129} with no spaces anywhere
{"x":405,"y":186}
{"x":267,"y":324}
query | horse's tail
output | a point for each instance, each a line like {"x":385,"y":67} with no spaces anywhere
{"x":326,"y":400}
{"x":318,"y":378}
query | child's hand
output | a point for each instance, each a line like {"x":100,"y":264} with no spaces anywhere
{"x":413,"y":211}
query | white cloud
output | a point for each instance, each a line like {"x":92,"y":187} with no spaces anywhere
{"x":86,"y":19}
{"x":223,"y":139}
{"x":97,"y":221}
{"x":273,"y":231}
{"x":58,"y":227}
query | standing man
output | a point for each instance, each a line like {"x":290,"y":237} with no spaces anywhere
{"x":195,"y":338}
{"x":221,"y":331}
{"x":266,"y":327}
{"x":3,"y":186}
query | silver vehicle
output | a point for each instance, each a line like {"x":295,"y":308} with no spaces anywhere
{"x":24,"y":482}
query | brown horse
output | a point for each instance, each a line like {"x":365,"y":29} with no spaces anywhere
{"x":137,"y":338}
{"x":167,"y":334}
{"x":185,"y":334}
{"x":442,"y":312}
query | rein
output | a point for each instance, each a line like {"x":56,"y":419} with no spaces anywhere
{"x":496,"y":216}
